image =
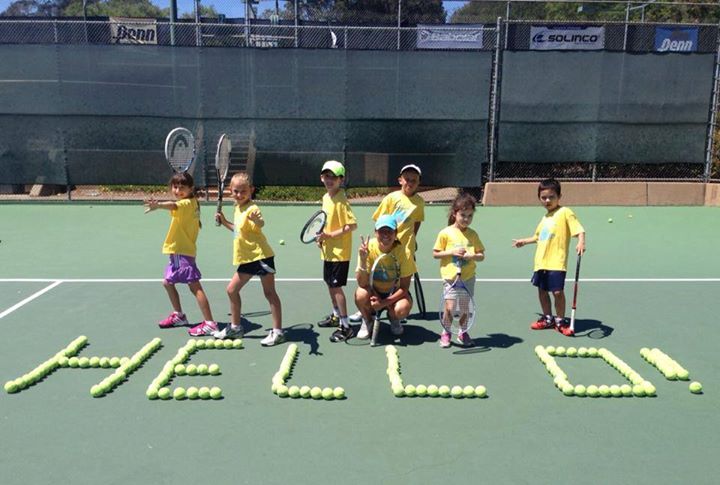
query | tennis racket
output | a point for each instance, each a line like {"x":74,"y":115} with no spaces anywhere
{"x":384,"y":280}
{"x":571,"y":329}
{"x":313,"y":227}
{"x":222,"y":164}
{"x":419,"y":295}
{"x":180,"y":149}
{"x":457,"y":307}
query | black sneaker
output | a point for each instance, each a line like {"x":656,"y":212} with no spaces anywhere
{"x":342,"y":334}
{"x":329,"y":321}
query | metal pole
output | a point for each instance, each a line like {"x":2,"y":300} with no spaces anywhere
{"x":494,"y":101}
{"x":296,"y":23}
{"x":173,"y":19}
{"x":399,"y":16}
{"x":198,"y":35}
{"x":247,"y":29}
{"x":627,"y":19}
{"x":713,"y":114}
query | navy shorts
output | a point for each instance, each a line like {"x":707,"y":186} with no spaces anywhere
{"x":260,"y":267}
{"x":548,"y":280}
{"x":335,"y":273}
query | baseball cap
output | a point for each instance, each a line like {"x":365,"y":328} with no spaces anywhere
{"x":386,"y":220}
{"x":335,"y":167}
{"x":411,"y":166}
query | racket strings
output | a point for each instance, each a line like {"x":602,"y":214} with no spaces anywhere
{"x":313,"y":228}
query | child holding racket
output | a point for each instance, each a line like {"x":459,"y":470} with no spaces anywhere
{"x":391,"y":293}
{"x":253,"y":256}
{"x":335,"y":243}
{"x":552,"y":235}
{"x":180,"y":244}
{"x":458,"y":247}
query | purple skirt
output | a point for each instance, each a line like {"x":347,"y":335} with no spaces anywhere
{"x":182,"y":269}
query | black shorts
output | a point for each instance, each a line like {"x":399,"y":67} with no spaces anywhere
{"x":335,"y":273}
{"x":548,"y":280}
{"x":261,"y":267}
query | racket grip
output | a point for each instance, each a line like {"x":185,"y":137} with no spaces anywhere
{"x":375,"y":332}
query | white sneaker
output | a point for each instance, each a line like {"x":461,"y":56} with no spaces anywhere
{"x":364,"y":332}
{"x":273,"y":338}
{"x":396,"y":327}
{"x":355,"y":317}
{"x":228,"y":332}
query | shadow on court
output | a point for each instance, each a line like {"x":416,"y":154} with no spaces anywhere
{"x":593,"y":329}
{"x":491,"y":341}
{"x":305,"y":333}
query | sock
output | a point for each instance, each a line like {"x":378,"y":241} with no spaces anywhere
{"x":234,"y":327}
{"x":278,"y":331}
{"x":336,"y":312}
{"x":559,"y":321}
{"x":344,"y":321}
{"x":549,"y":318}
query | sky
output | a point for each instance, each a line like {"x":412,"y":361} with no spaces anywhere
{"x":236,"y":8}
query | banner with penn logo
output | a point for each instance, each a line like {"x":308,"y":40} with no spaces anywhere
{"x":465,"y":36}
{"x":568,"y":37}
{"x":125,"y":30}
{"x":676,"y":39}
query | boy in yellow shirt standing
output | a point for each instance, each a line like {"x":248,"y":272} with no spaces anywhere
{"x":552,"y":236}
{"x":335,"y":243}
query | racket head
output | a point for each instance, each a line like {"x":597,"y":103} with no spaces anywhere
{"x":222,"y":157}
{"x":457,"y":307}
{"x":385,"y":274}
{"x":180,"y":149}
{"x":313,"y":227}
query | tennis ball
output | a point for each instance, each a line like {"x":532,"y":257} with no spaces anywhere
{"x":11,"y":387}
{"x":683,"y":374}
{"x":124,"y":360}
{"x":214,"y":369}
{"x":339,"y":393}
{"x":164,"y":393}
{"x":190,"y":345}
{"x":62,"y":361}
{"x":237,"y":343}
{"x":96,"y":391}
{"x":592,"y":390}
{"x":580,"y":390}
{"x":480,"y":391}
{"x":204,"y":393}
{"x":282,"y":242}
{"x":398,"y":390}
{"x":200,"y":344}
{"x":179,"y":393}
{"x":316,"y":393}
{"x":568,"y":389}
{"x":294,"y":392}
{"x":180,"y":370}
{"x":648,"y":388}
{"x":152,"y":393}
{"x":468,"y":391}
{"x":695,"y":387}
{"x":456,"y":392}
{"x":550,"y":350}
{"x":202,"y":369}
{"x":283,"y":391}
{"x":604,"y":390}
{"x":219,"y":344}
{"x":582,"y":352}
{"x":305,"y":392}
{"x":94,"y":361}
{"x":215,"y":392}
{"x":410,"y":390}
{"x":74,"y":362}
{"x":638,"y":390}
{"x":560,"y":351}
{"x":670,"y":374}
{"x":327,"y":393}
{"x":193,"y":392}
{"x":571,"y":352}
{"x":432,"y":390}
{"x":227,"y":344}
{"x":610,"y":220}
{"x":421,"y":390}
{"x":444,"y":391}
{"x":592,"y":352}
{"x":191,"y":370}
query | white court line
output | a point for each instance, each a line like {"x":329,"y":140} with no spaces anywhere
{"x":316,"y":280}
{"x":29,"y":299}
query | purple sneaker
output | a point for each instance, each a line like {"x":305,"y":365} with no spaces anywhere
{"x":175,"y":319}
{"x":464,"y":339}
{"x":203,"y":328}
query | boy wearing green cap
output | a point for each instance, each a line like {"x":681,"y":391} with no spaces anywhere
{"x":335,"y":243}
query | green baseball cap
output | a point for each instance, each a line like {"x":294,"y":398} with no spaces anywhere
{"x":335,"y":167}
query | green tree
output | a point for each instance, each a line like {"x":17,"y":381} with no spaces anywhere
{"x":36,"y":8}
{"x":114,"y":8}
{"x":364,"y":12}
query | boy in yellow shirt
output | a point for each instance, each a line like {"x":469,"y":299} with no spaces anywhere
{"x":552,"y":236}
{"x":335,"y":243}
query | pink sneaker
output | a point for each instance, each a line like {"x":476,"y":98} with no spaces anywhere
{"x":175,"y":319}
{"x":445,"y":340}
{"x":464,"y":339}
{"x":203,"y":328}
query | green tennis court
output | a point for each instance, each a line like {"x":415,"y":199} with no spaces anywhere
{"x":650,"y":278}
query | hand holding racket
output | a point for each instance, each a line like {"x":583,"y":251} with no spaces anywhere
{"x":570,"y":331}
{"x":180,"y":149}
{"x":222,"y":164}
{"x":313,"y":227}
{"x":457,"y":306}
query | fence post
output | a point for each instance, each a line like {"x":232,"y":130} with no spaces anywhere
{"x":399,"y":16}
{"x":713,"y":113}
{"x":494,"y":101}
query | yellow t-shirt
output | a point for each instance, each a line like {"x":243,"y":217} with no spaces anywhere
{"x":407,"y":211}
{"x":250,"y":243}
{"x":405,"y":264}
{"x":184,"y":228}
{"x":553,"y":239}
{"x":339,"y":215}
{"x":452,"y":238}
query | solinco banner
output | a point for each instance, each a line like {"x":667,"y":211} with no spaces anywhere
{"x":133,"y":31}
{"x":460,"y":37}
{"x":676,"y":39}
{"x":567,"y":38}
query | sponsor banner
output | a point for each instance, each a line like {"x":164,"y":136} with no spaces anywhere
{"x":676,"y":39}
{"x":450,"y":37}
{"x":124,"y":30}
{"x":567,"y":38}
